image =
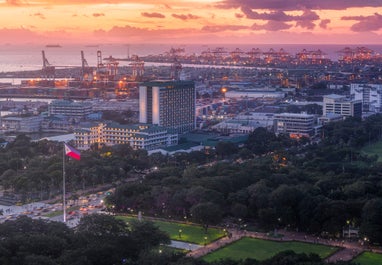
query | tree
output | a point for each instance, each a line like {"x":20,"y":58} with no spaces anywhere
{"x":371,"y":225}
{"x":259,"y":141}
{"x":206,"y":213}
{"x":101,"y":225}
{"x":224,"y":149}
{"x":146,"y":235}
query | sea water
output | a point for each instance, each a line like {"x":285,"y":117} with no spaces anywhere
{"x":29,"y":57}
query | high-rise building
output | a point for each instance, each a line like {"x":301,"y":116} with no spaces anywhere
{"x":169,"y":104}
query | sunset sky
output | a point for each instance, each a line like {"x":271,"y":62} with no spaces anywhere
{"x":191,"y":21}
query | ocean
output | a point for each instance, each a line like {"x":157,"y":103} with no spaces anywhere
{"x":29,"y":57}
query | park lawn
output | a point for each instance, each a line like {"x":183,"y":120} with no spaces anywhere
{"x":260,"y":249}
{"x":190,"y":232}
{"x":374,"y":149}
{"x":369,"y":258}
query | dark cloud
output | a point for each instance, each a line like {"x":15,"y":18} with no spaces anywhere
{"x":305,"y":20}
{"x":365,"y":23}
{"x":98,"y":14}
{"x":324,"y":23}
{"x":153,"y":15}
{"x":272,"y":26}
{"x":277,"y":15}
{"x":288,"y":5}
{"x":220,"y":28}
{"x":185,"y":17}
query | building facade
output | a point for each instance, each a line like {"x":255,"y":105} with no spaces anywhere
{"x":169,"y":104}
{"x":71,"y":109}
{"x":295,"y":124}
{"x":337,"y":104}
{"x":21,"y":124}
{"x":138,"y":136}
{"x":369,"y":94}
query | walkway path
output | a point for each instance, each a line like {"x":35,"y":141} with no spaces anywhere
{"x":347,"y":251}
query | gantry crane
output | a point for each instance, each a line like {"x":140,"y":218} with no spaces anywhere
{"x":48,"y":70}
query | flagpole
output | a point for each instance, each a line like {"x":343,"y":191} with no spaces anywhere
{"x":63,"y":184}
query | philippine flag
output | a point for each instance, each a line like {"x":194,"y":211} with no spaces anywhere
{"x":72,"y":152}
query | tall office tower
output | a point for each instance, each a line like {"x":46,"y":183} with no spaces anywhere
{"x":169,"y":104}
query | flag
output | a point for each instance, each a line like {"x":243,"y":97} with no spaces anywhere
{"x":72,"y":152}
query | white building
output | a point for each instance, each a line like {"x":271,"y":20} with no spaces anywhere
{"x":369,"y":94}
{"x":231,"y":126}
{"x":295,"y":124}
{"x":21,"y":124}
{"x":139,"y":136}
{"x":253,"y":94}
{"x":72,"y":109}
{"x":338,"y":104}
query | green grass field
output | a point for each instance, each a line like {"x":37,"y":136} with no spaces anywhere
{"x":189,"y":233}
{"x":264,"y":249}
{"x":369,"y":258}
{"x":374,"y":149}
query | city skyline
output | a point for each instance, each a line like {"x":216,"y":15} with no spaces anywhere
{"x":191,"y":21}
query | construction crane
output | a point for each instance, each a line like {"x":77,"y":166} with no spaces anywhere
{"x":48,"y":71}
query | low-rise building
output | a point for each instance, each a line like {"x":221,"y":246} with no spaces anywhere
{"x":138,"y":136}
{"x":251,"y":94}
{"x":369,"y":94}
{"x":71,"y":109}
{"x":295,"y":124}
{"x":21,"y":124}
{"x":330,"y":117}
{"x":341,"y":105}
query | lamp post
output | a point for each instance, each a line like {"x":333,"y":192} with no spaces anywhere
{"x":180,"y":233}
{"x":205,"y":241}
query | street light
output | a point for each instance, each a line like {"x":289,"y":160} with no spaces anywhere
{"x":180,"y":233}
{"x":348,"y":223}
{"x":205,"y":241}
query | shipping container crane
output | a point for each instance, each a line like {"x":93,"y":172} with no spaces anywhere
{"x":48,"y":71}
{"x":138,"y":67}
{"x":87,"y":72}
